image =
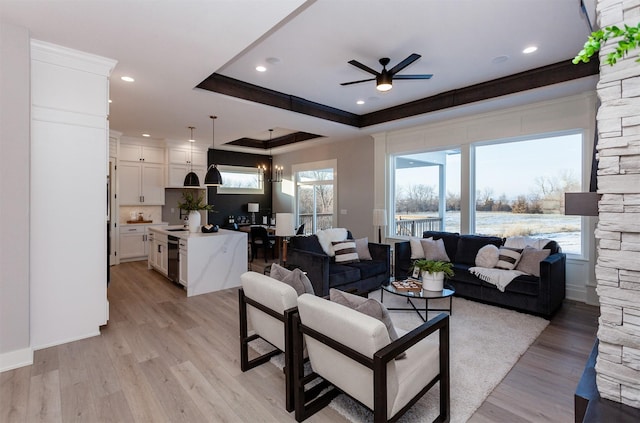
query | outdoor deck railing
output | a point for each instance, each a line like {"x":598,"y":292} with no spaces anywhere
{"x":415,"y":227}
{"x":404,"y":227}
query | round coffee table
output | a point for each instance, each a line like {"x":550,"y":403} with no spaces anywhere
{"x":447,"y":292}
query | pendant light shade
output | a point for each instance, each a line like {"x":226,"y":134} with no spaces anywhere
{"x":191,"y":180}
{"x":213,"y":177}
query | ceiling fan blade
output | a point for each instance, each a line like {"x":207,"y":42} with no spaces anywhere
{"x":406,"y":62}
{"x":424,"y":76}
{"x":363,"y":67}
{"x":357,"y":82}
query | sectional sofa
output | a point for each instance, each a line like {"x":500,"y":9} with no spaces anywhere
{"x":541,"y":295}
{"x":306,"y":253}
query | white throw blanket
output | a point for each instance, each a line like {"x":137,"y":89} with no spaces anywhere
{"x":498,"y":277}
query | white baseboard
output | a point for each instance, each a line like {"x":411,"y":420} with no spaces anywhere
{"x":65,"y":341}
{"x":14,"y":359}
{"x":576,"y":294}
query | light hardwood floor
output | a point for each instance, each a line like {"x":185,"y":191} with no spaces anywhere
{"x":164,"y":357}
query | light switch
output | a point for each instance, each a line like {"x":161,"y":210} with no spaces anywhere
{"x":343,"y":211}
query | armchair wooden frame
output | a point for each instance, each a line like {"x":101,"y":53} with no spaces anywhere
{"x":309,"y":402}
{"x":245,"y":338}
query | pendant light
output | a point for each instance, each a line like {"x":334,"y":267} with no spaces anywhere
{"x":191,"y":180}
{"x":213,"y":177}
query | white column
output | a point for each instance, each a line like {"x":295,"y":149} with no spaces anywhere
{"x":69,"y":165}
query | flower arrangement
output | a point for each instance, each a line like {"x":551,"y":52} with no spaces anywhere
{"x":193,"y":201}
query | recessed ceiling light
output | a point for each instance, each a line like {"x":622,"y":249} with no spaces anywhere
{"x":273,"y":60}
{"x":500,"y":59}
{"x":360,"y":102}
{"x":261,"y":68}
{"x":110,"y":101}
{"x":127,"y":78}
{"x":530,"y":49}
{"x":146,"y":135}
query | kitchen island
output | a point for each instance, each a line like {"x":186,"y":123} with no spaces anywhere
{"x":201,"y":262}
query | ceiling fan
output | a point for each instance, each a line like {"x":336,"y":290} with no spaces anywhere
{"x":385,"y":78}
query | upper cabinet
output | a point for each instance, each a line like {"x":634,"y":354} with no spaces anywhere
{"x":141,"y":184}
{"x":141,"y":153}
{"x":141,"y":171}
{"x":183,"y":160}
{"x":184,"y":156}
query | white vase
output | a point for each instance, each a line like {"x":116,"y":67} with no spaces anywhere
{"x":194,"y":221}
{"x":433,"y":281}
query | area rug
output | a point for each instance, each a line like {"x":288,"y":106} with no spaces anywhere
{"x":486,"y":342}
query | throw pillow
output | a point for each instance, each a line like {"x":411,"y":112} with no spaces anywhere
{"x":362,"y":248}
{"x":345,"y":251}
{"x":530,"y":260}
{"x":434,"y":249}
{"x":508,"y":258}
{"x":327,"y":236}
{"x":296,"y":278}
{"x":417,"y":252}
{"x":369,"y":306}
{"x":488,"y":256}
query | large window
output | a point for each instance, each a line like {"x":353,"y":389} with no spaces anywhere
{"x":240,"y":180}
{"x":520,"y":188}
{"x":315,"y":195}
{"x":515,"y":187}
{"x":427,"y":192}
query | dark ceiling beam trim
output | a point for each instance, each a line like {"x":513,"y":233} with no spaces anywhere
{"x":547,"y":75}
{"x":235,"y":88}
{"x":275,"y":142}
{"x":523,"y":81}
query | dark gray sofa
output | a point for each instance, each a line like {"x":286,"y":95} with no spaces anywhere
{"x":536,"y":295}
{"x":306,"y":253}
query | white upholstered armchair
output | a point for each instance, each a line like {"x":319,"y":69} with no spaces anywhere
{"x":269,"y":305}
{"x":353,"y":352}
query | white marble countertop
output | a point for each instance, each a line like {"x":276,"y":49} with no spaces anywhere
{"x":185,"y":234}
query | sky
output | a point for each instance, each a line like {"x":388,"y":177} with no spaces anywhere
{"x":508,"y":168}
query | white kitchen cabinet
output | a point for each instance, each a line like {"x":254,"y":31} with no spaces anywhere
{"x":183,"y":271}
{"x":158,"y":258}
{"x":133,"y":242}
{"x":183,"y":156}
{"x":141,"y":153}
{"x":136,"y":242}
{"x":141,"y":184}
{"x":177,"y":174}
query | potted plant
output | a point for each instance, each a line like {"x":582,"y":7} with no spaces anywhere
{"x":193,"y":202}
{"x":433,"y":273}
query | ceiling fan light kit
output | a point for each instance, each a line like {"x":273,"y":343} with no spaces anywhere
{"x":384,"y":79}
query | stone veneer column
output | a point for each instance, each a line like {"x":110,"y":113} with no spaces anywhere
{"x":618,"y":229}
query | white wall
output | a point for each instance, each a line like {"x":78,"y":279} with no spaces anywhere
{"x":355,"y":182}
{"x":69,"y":165}
{"x":570,"y":113}
{"x":15,"y":350}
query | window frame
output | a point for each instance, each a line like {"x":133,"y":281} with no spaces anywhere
{"x":311,"y":166}
{"x":241,"y":170}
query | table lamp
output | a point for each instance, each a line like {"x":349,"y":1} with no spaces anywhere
{"x":253,"y":208}
{"x":379,"y":220}
{"x":285,"y":228}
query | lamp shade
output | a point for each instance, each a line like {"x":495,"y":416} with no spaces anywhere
{"x":284,"y":224}
{"x":191,"y":180}
{"x":213,"y":177}
{"x":379,"y":217}
{"x":253,"y":207}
